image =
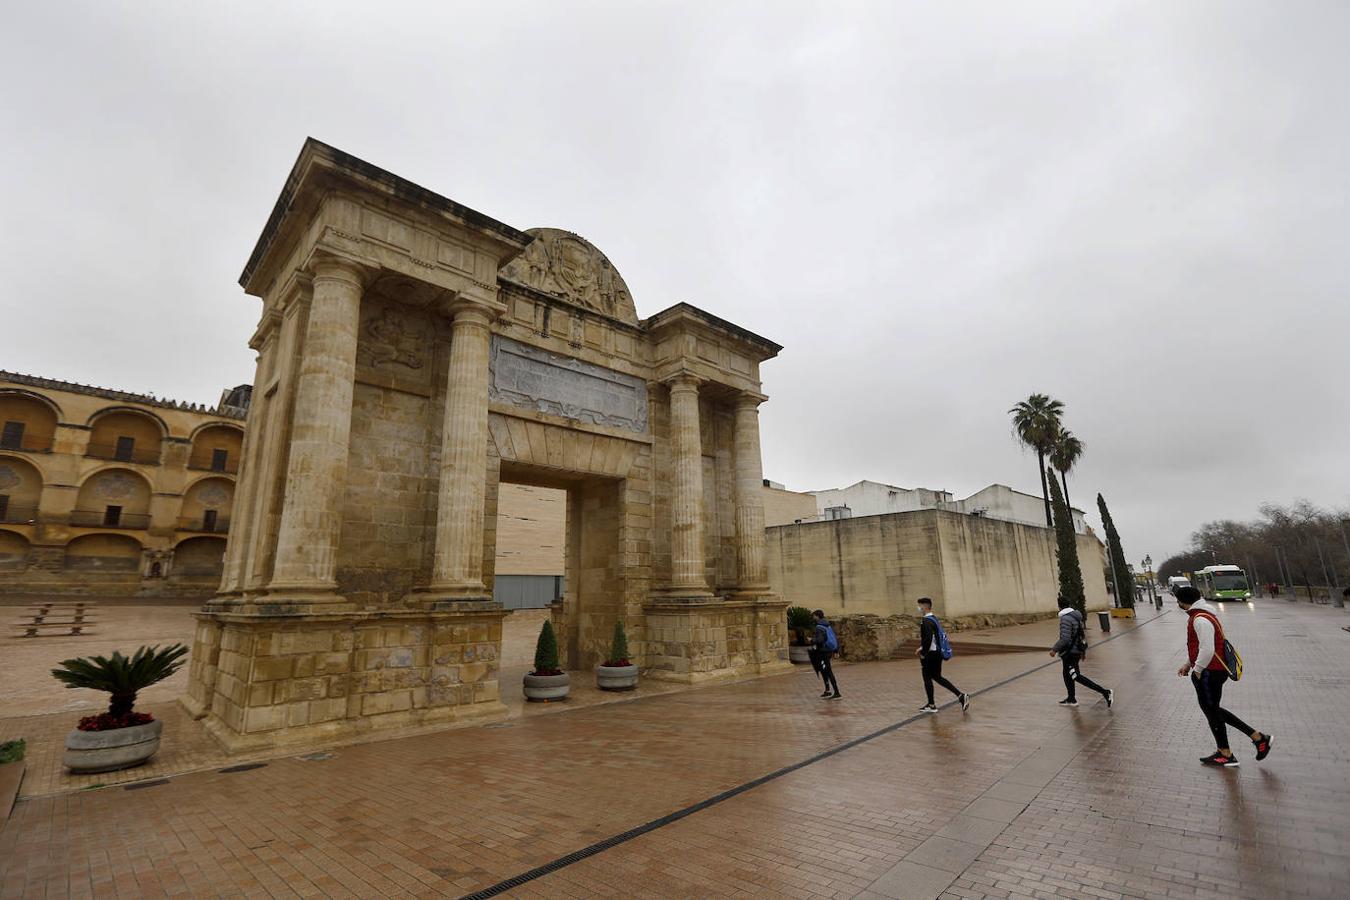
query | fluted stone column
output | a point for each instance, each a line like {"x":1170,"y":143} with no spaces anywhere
{"x":752,"y":568}
{"x":316,"y":475}
{"x":458,"y":566}
{"x":687,"y":574}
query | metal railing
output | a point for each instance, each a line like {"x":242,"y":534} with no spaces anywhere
{"x":27,"y":444}
{"x":14,"y":514}
{"x":219,"y":526}
{"x":99,"y":518}
{"x":148,"y":456}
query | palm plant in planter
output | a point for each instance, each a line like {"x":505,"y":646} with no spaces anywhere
{"x":547,"y":681}
{"x":617,"y":672}
{"x":121,"y":737}
{"x":800,"y":626}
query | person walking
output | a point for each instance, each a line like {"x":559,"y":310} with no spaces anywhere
{"x":1071,"y":648}
{"x":824,"y":644}
{"x":932,"y":650}
{"x":1209,"y":673}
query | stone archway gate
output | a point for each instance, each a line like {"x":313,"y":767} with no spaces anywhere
{"x":413,"y":353}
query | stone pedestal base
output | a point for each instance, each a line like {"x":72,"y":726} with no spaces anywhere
{"x":264,"y":680}
{"x":696,"y":643}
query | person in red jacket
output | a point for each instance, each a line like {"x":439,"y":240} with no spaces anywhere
{"x":1204,"y":663}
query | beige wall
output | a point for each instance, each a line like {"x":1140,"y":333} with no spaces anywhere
{"x":531,"y":530}
{"x":881,"y":564}
{"x":782,"y":507}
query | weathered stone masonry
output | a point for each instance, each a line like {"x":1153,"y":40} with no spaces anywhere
{"x":412,"y":355}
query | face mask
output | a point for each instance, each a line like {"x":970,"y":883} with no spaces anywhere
{"x":922,"y":611}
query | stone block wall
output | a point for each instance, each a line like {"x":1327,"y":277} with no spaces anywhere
{"x":881,"y":564}
{"x":307,"y":679}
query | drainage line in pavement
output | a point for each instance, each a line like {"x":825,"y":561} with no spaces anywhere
{"x":624,"y":837}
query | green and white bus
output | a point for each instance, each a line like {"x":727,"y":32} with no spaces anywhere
{"x":1222,"y":583}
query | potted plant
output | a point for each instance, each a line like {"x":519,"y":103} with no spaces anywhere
{"x":617,"y":672}
{"x":801,"y":624}
{"x":547,"y":681}
{"x":119,"y":738}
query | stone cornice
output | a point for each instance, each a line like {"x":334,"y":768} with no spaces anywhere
{"x":53,"y":384}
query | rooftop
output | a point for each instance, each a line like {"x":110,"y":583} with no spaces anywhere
{"x":54,"y":384}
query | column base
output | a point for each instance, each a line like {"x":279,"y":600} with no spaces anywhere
{"x":452,"y":599}
{"x":261,"y":680}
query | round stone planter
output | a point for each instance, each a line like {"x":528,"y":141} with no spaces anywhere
{"x":543,"y":688}
{"x":108,"y":751}
{"x":616,"y":678}
{"x":799,"y":654}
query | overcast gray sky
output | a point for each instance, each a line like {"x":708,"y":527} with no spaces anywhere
{"x":937,"y":208}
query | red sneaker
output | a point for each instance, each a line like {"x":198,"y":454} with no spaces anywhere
{"x":1262,"y":747}
{"x":1218,"y":759}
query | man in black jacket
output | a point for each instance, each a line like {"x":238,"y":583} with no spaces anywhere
{"x":1070,"y":648}
{"x":929,"y":653}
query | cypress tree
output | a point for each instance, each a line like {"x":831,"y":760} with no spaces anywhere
{"x":1066,"y":550}
{"x":1124,"y":580}
{"x":546,"y":652}
{"x":618,"y":647}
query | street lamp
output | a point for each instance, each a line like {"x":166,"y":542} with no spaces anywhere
{"x":1148,"y":573}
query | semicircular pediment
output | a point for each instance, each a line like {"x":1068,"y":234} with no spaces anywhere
{"x":569,"y":266}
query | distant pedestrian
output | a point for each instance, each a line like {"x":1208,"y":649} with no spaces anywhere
{"x":1207,"y":664}
{"x":932,"y":650}
{"x":824,"y":644}
{"x":1071,"y":648}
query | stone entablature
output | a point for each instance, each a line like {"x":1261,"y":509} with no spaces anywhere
{"x":413,"y":355}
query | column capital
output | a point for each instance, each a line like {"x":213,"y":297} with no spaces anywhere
{"x":749,"y":400}
{"x":332,"y":266}
{"x":465,"y":310}
{"x":684,"y":381}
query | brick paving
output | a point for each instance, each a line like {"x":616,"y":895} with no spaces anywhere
{"x":1016,"y":798}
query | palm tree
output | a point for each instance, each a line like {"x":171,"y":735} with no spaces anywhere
{"x":1065,"y":453}
{"x":1036,"y":423}
{"x":120,"y":676}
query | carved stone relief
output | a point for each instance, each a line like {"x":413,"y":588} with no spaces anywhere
{"x":392,"y":338}
{"x":565,"y":265}
{"x":532,"y":378}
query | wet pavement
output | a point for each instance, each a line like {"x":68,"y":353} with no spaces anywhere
{"x":809,"y":797}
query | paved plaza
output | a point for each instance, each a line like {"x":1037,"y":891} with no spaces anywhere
{"x":753,"y":789}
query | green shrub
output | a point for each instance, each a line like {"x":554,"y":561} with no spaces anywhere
{"x":546,"y":652}
{"x":12,"y":751}
{"x":618,"y":648}
{"x":800,"y":623}
{"x":120,"y":676}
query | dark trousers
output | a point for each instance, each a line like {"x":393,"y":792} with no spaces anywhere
{"x":820,"y":661}
{"x":1072,"y":675}
{"x":1209,"y":691}
{"x":931,"y":663}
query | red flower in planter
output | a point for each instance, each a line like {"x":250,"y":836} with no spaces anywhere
{"x":108,"y":721}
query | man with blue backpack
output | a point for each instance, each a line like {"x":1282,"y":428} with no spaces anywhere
{"x":933,"y":649}
{"x":824,"y":645}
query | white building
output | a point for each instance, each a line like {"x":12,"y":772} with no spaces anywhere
{"x":998,"y":501}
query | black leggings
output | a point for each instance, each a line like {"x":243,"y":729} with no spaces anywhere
{"x":931,"y":663}
{"x":820,"y":661}
{"x":1209,"y":691}
{"x":1073,"y":674}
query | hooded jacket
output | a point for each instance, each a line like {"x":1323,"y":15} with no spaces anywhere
{"x":1070,"y":621}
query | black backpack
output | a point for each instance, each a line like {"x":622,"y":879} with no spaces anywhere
{"x":1079,"y":644}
